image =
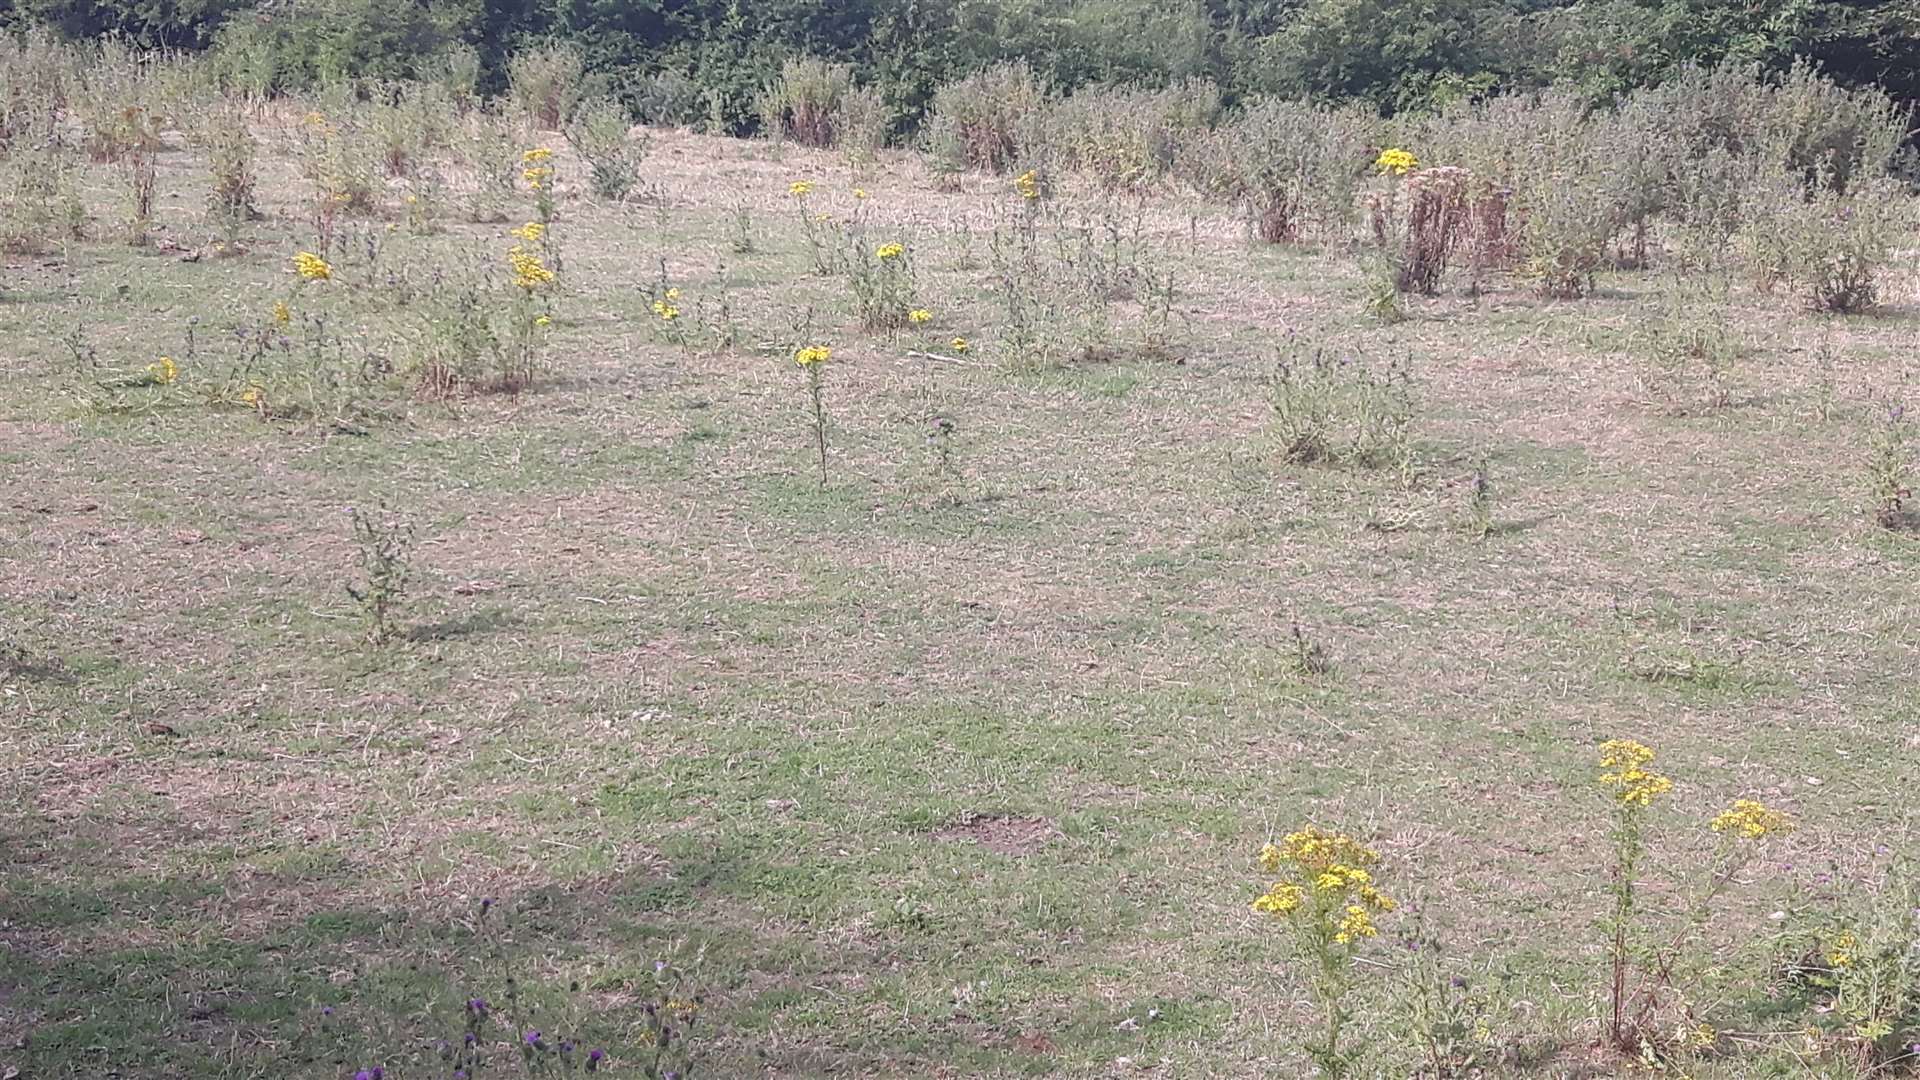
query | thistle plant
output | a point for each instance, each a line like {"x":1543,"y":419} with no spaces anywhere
{"x":1324,"y":900}
{"x":812,"y":360}
{"x":1631,"y":787}
{"x":224,"y":136}
{"x":384,"y":546}
{"x":1480,"y":501}
{"x":1889,"y":455}
{"x":740,"y":230}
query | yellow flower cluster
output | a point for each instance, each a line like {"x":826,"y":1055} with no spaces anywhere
{"x":1840,"y":949}
{"x":532,"y":232}
{"x":919,"y":315}
{"x":888,"y":251}
{"x":961,"y":345}
{"x":282,"y":314}
{"x":311,"y":267}
{"x":800,"y":189}
{"x":1330,"y":882}
{"x":1396,"y":162}
{"x":1355,"y":923}
{"x":1281,"y":899}
{"x":1316,"y":850}
{"x":859,"y":193}
{"x":665,"y":307}
{"x":534,"y":168}
{"x":529,"y":270}
{"x":1028,"y":184}
{"x":811,"y":355}
{"x":1624,"y":772}
{"x":1751,"y":819}
{"x":163,"y":371}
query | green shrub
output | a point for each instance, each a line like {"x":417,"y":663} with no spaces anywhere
{"x":600,"y":133}
{"x":1130,"y":137}
{"x":1832,"y":246}
{"x":668,"y":99}
{"x":281,"y":48}
{"x":545,"y":83}
{"x":43,"y":205}
{"x":803,"y":103}
{"x":1294,"y":164}
{"x":993,"y":120}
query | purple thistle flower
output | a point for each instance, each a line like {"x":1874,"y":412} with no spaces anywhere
{"x":379,"y":1073}
{"x":363,"y":1075}
{"x":565,"y":1047}
{"x":478,"y":1007}
{"x":533,"y":1039}
{"x":470,"y":1039}
{"x":486,"y":904}
{"x":593,"y":1059}
{"x":326,"y":1010}
{"x":459,"y":1074}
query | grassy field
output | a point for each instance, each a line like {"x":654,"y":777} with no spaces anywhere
{"x":925,"y":772}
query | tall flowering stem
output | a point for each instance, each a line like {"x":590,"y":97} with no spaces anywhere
{"x":1632,"y":787}
{"x":813,"y":360}
{"x":1323,"y":896}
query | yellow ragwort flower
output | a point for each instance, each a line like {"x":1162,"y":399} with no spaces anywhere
{"x":961,"y":345}
{"x":532,"y":232}
{"x":1840,"y":949}
{"x":312,"y":267}
{"x":800,"y":189}
{"x":1028,"y":184}
{"x":529,"y":272}
{"x":282,"y":314}
{"x":163,"y":371}
{"x":1282,"y":899}
{"x":888,"y":251}
{"x":1356,"y":923}
{"x":1625,"y":773}
{"x":1395,"y":161}
{"x":859,"y":193}
{"x":536,"y":155}
{"x":811,"y":355}
{"x":543,"y":320}
{"x":1751,"y":820}
{"x":919,"y":315}
{"x":666,"y":311}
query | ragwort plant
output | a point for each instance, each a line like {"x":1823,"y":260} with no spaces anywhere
{"x":882,"y":280}
{"x":1324,"y":900}
{"x":1861,"y":976}
{"x":812,"y":360}
{"x":1421,"y":217}
{"x":1649,"y":1011}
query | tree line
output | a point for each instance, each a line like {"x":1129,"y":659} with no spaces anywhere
{"x":715,"y":55}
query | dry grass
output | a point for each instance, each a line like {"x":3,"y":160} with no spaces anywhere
{"x":658,"y":688}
